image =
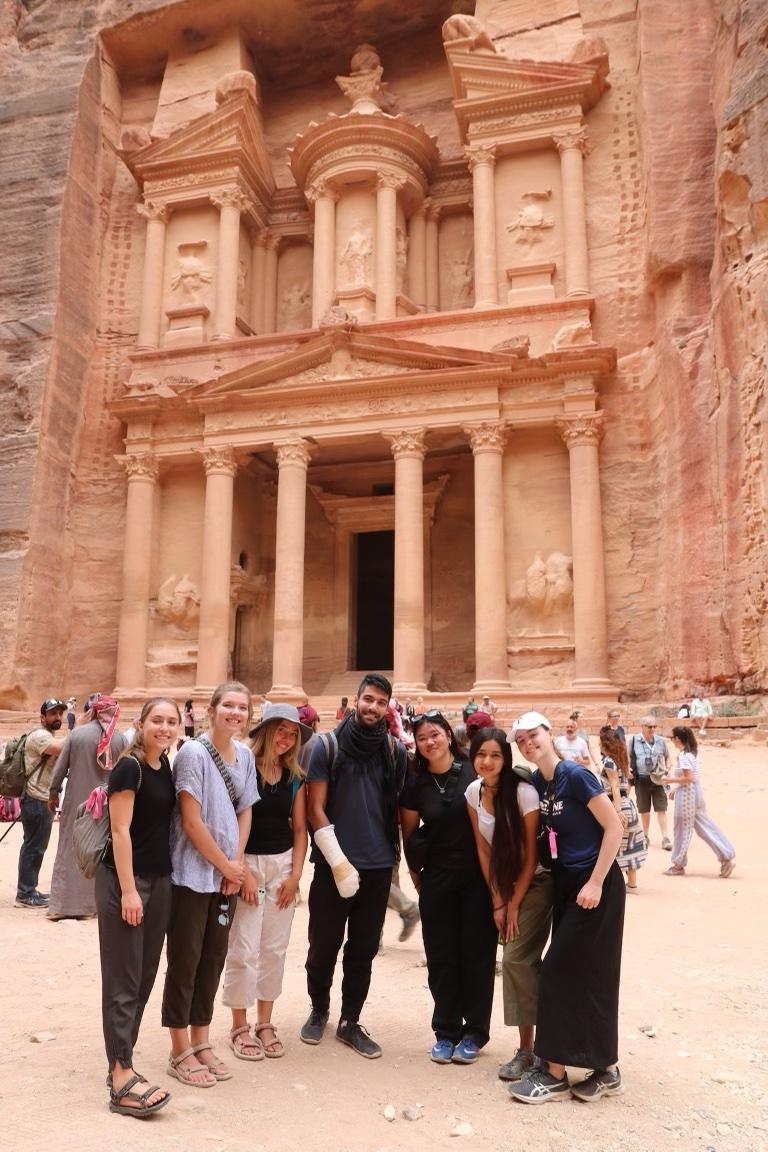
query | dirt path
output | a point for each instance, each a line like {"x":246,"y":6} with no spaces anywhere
{"x":694,"y":971}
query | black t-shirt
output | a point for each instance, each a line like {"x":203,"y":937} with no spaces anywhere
{"x":451,"y":839}
{"x":270,"y":832}
{"x":153,"y":806}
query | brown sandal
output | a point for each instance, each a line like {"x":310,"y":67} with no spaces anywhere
{"x":248,"y":1041}
{"x":217,"y":1067}
{"x":273,"y":1049}
{"x":180,"y":1071}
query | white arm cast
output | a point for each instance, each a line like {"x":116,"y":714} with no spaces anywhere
{"x":344,"y":873}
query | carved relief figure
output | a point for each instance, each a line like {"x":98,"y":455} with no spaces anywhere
{"x":532,"y":220}
{"x":357,"y":255}
{"x":401,"y":257}
{"x":296,"y":306}
{"x":193,"y":274}
{"x":461,"y":279}
{"x":364,"y":87}
{"x":242,"y":285}
{"x":461,"y":27}
{"x":575,"y":335}
{"x":178,"y":602}
{"x":540,"y":603}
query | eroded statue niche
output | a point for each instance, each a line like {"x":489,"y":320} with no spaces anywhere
{"x":193,"y":275}
{"x":540,"y":604}
{"x":531,"y":220}
{"x":178,"y":603}
{"x":296,"y":306}
{"x":461,"y":279}
{"x":401,"y":258}
{"x":357,"y":257}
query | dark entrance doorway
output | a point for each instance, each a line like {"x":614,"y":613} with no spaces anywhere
{"x":374,"y":568}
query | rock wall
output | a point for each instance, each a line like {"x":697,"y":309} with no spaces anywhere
{"x":678,"y":214}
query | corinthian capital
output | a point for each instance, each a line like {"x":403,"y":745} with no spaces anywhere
{"x":486,"y":437}
{"x":295,"y":451}
{"x":572,"y":138}
{"x":408,"y":442}
{"x":231,"y":197}
{"x":320,"y":190}
{"x":219,"y":461}
{"x":390,"y":180}
{"x":140,"y":467}
{"x":480,"y":154}
{"x":151,"y":210}
{"x":585,"y":428}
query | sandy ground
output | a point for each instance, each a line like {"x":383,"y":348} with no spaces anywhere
{"x":694,"y":971}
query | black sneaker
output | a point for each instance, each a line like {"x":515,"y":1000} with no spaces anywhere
{"x":600,"y":1083}
{"x":34,"y":900}
{"x":312,"y":1031}
{"x":540,"y":1087}
{"x":353,"y":1034}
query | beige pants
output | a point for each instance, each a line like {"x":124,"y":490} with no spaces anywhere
{"x":258,"y":938}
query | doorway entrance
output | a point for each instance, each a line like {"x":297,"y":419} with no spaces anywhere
{"x":374,"y":599}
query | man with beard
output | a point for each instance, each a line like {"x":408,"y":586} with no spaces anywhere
{"x":354,"y":779}
{"x":40,"y":752}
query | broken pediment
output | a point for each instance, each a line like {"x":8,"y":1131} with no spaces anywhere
{"x":228,"y":142}
{"x":338,"y":357}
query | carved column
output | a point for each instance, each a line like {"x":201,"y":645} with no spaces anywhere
{"x":433,"y":256}
{"x":288,"y":643}
{"x":258,"y":260}
{"x":572,"y":147}
{"x":417,"y":257}
{"x":408,"y":449}
{"x":270,"y":282}
{"x":386,"y":246}
{"x":482,"y":162}
{"x":590,"y":634}
{"x":230,"y":202}
{"x":491,"y":672}
{"x":142,"y":473}
{"x":156,"y":216}
{"x":324,"y":250}
{"x":213,"y":638}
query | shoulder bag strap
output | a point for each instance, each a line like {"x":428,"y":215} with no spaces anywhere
{"x":215,"y":755}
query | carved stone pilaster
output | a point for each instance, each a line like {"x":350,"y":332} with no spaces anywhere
{"x":486,"y":437}
{"x":584,"y":428}
{"x":219,"y":461}
{"x":407,"y":442}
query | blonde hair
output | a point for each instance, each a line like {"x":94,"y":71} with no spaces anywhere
{"x":136,"y":747}
{"x":220,"y":692}
{"x":263,"y":747}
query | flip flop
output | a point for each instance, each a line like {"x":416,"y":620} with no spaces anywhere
{"x":179,"y":1072}
{"x":273,"y":1049}
{"x":257,"y":1048}
{"x":141,"y":1109}
{"x":217,"y":1068}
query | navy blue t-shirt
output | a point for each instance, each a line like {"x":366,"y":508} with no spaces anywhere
{"x":579,"y":835}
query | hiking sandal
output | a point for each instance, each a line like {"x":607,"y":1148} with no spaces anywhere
{"x":217,"y":1067}
{"x":118,"y":1100}
{"x":247,"y":1042}
{"x":273,"y":1049}
{"x":179,"y":1071}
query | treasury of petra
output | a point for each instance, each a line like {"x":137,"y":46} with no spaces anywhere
{"x":398,"y":334}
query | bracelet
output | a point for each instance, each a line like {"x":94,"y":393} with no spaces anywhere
{"x":498,"y":907}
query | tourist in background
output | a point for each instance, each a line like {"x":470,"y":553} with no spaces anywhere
{"x":456,"y":913}
{"x":133,"y":898}
{"x":571,"y":745}
{"x":274,"y":858}
{"x":701,"y":712}
{"x":577,"y":1022}
{"x":215,"y":779}
{"x":41,"y":749}
{"x":189,"y":719}
{"x":85,"y":762}
{"x":615,"y":779}
{"x":503,"y":808}
{"x":691,"y":811}
{"x":648,"y":762}
{"x":613,"y":721}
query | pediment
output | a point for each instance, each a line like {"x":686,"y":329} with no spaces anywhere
{"x":232,"y":132}
{"x":337,"y":359}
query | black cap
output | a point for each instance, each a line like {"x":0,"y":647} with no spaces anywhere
{"x":49,"y":705}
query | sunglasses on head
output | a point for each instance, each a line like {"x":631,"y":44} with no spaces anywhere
{"x":432,"y":714}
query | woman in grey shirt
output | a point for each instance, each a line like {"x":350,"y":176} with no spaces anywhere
{"x":215,"y":780}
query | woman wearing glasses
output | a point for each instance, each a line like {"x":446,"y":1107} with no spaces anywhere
{"x":456,"y":912}
{"x":215,"y":780}
{"x":274,"y":858}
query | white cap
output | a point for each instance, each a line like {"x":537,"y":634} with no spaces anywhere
{"x":528,"y":721}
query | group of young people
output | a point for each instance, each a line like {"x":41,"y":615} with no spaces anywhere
{"x":208,"y":856}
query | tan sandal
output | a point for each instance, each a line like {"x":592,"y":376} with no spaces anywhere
{"x":252,"y":1042}
{"x":217,"y":1067}
{"x":180,"y":1071}
{"x":273,"y":1049}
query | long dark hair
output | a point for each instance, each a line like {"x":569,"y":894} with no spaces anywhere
{"x":613,"y":746}
{"x":421,"y":764}
{"x":508,"y":844}
{"x":686,"y":738}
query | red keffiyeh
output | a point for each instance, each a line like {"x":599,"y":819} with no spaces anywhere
{"x":105,"y":710}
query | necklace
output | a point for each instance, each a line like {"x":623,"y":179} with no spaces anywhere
{"x":434,"y":781}
{"x":272,"y":785}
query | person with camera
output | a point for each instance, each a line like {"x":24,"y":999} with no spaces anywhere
{"x":648,"y":763}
